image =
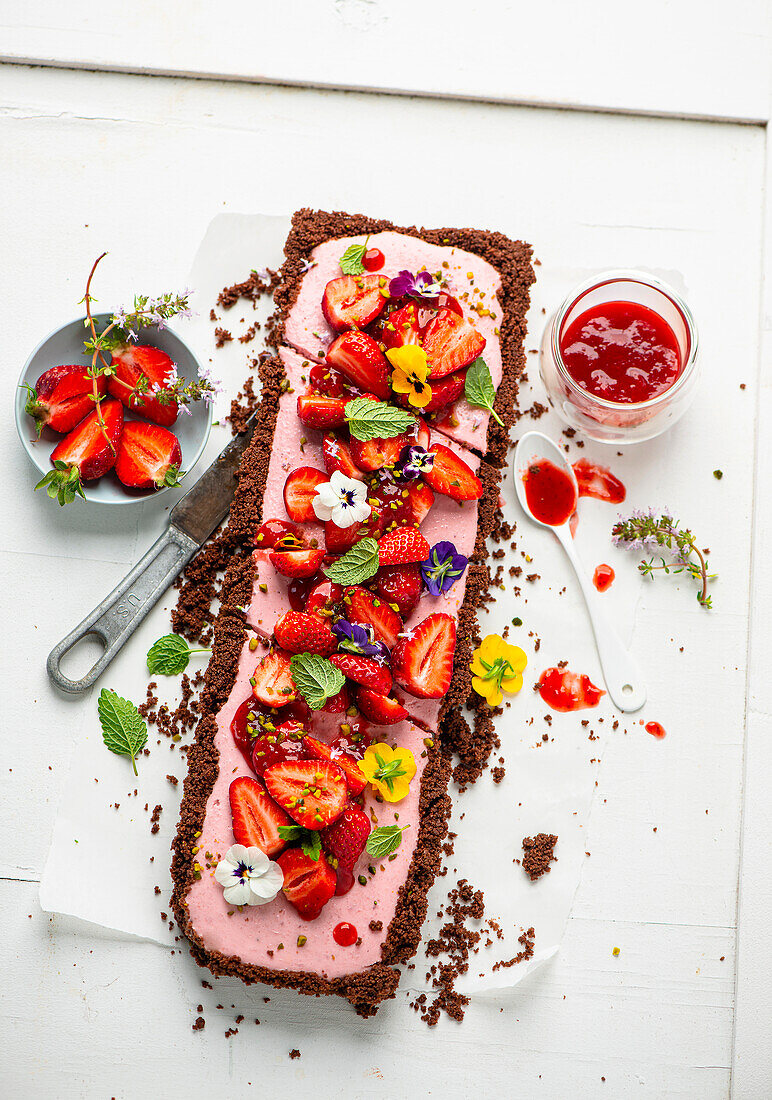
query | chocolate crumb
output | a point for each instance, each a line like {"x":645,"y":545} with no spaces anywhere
{"x":538,"y":853}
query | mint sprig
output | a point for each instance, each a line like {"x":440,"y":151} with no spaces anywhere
{"x":307,"y":839}
{"x":357,"y":564}
{"x":123,"y":729}
{"x":384,"y":840}
{"x":169,"y":656}
{"x":316,"y":678}
{"x":479,"y":390}
{"x":376,"y":419}
{"x":351,"y":260}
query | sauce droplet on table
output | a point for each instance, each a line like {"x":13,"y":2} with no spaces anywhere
{"x":603,"y":577}
{"x":345,"y":934}
{"x":564,"y":690}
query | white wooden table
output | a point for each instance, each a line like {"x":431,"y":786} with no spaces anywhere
{"x":139,"y":164}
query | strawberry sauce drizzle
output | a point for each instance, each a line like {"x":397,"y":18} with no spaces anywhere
{"x":564,"y":690}
{"x":599,"y":482}
{"x":603,"y":577}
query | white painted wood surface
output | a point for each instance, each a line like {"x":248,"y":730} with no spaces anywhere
{"x":700,"y":58}
{"x":140,"y":166}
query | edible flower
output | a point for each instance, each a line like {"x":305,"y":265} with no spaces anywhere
{"x":388,"y":770}
{"x":248,"y":876}
{"x":442,"y":568}
{"x":413,"y":461}
{"x":354,"y":638}
{"x":410,"y":373}
{"x":497,"y":667}
{"x":414,"y":286}
{"x":342,"y":500}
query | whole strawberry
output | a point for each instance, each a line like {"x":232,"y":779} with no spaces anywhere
{"x":345,"y":840}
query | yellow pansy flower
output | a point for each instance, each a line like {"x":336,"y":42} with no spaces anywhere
{"x":497,"y":666}
{"x":388,"y":770}
{"x":410,"y":373}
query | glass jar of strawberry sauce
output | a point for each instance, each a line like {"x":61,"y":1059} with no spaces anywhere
{"x":619,"y":358}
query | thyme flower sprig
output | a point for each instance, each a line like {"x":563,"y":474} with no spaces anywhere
{"x":651,"y":531}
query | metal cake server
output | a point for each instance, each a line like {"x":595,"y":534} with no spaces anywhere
{"x":191,"y":522}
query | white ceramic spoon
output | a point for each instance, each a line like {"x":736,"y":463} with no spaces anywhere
{"x":623,"y":677}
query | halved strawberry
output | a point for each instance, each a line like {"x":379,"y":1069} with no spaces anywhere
{"x":313,"y":792}
{"x":352,"y":301}
{"x":299,"y":492}
{"x":357,"y":355}
{"x":297,"y":563}
{"x":380,"y":708}
{"x":400,"y":327}
{"x":323,"y":598}
{"x":363,"y":607}
{"x":374,"y":454}
{"x":451,"y":476}
{"x":86,"y":449}
{"x":284,"y":743}
{"x":403,"y":544}
{"x":243,"y":726}
{"x":149,"y":456}
{"x":325,"y":379}
{"x":272,"y":681}
{"x":400,"y":585}
{"x":444,"y":392}
{"x":275,"y":532}
{"x":345,"y":840}
{"x":62,"y":397}
{"x":299,"y":632}
{"x":450,"y":343}
{"x":138,"y":370}
{"x":256,"y":817}
{"x":340,"y":539}
{"x":364,"y":671}
{"x":355,"y":780}
{"x":337,"y":455}
{"x":320,"y":412}
{"x":422,"y":659}
{"x":340,"y":703}
{"x":308,"y":883}
{"x":413,"y":505}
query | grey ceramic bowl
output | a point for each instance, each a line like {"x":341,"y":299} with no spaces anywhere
{"x":65,"y":345}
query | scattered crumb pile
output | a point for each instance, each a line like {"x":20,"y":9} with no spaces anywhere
{"x":538,"y":853}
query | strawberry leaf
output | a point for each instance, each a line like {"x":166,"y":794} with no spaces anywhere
{"x":123,"y":729}
{"x":351,"y":260}
{"x":384,"y":840}
{"x":316,"y":678}
{"x":62,"y":483}
{"x":376,"y":419}
{"x":357,"y":564}
{"x":478,"y":388}
{"x":307,"y":839}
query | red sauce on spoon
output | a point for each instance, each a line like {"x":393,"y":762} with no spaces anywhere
{"x":550,"y":492}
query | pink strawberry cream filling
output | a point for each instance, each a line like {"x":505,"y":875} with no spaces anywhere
{"x":267,"y":935}
{"x":470,"y":279}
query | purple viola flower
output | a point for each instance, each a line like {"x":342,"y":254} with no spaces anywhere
{"x":442,"y":568}
{"x":413,"y":462}
{"x":354,"y":638}
{"x":405,"y":284}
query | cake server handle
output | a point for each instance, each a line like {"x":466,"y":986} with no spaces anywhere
{"x":118,"y":616}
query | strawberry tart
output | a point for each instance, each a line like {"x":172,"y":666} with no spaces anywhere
{"x":316,"y":800}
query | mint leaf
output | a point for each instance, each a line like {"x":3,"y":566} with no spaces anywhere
{"x":308,"y":839}
{"x":315,"y":678}
{"x":384,"y":840}
{"x":478,"y":388}
{"x":351,"y":260}
{"x":376,"y":419}
{"x":357,"y":564}
{"x":123,"y":728}
{"x":169,"y":656}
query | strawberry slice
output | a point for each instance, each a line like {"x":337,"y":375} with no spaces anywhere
{"x":355,"y":780}
{"x":414,"y":504}
{"x":374,"y":454}
{"x":324,"y":379}
{"x":422,"y":659}
{"x":337,"y":455}
{"x":400,"y":327}
{"x":299,"y":492}
{"x":345,"y":840}
{"x":451,"y":476}
{"x":357,"y":355}
{"x":272,"y":681}
{"x":321,"y":412}
{"x":62,"y":397}
{"x":364,"y":671}
{"x":297,"y":563}
{"x":450,"y":343}
{"x":363,"y":607}
{"x":256,"y":817}
{"x":86,"y":449}
{"x":278,"y":532}
{"x":403,"y":544}
{"x":380,"y":708}
{"x":313,"y":792}
{"x":298,"y":632}
{"x":400,"y":585}
{"x":340,"y":703}
{"x":285,"y":743}
{"x":149,"y":456}
{"x":138,"y":370}
{"x":308,"y":883}
{"x":340,"y":539}
{"x":352,"y":301}
{"x":444,"y":392}
{"x":324,"y":598}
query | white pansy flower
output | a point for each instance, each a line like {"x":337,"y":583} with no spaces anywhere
{"x":342,"y":500}
{"x":248,"y":876}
